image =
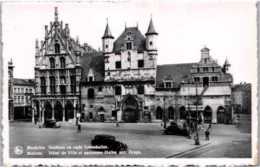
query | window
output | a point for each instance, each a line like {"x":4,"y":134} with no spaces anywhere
{"x":108,"y":74}
{"x":14,"y":90}
{"x":100,"y":89}
{"x":26,"y":90}
{"x":205,"y":69}
{"x":52,"y":63}
{"x":52,"y":85}
{"x":214,"y":78}
{"x":18,"y":99}
{"x":129,"y":46}
{"x":18,"y":90}
{"x":197,"y":79}
{"x":140,"y":90}
{"x":205,"y":60}
{"x":198,"y":69}
{"x":168,"y":84}
{"x":106,"y":46}
{"x":62,"y":62}
{"x":90,"y":78}
{"x":73,"y":84}
{"x":91,"y":93}
{"x":57,"y":48}
{"x":213,"y":69}
{"x":140,"y":63}
{"x":151,"y":43}
{"x":90,"y":116}
{"x":15,"y":101}
{"x":22,"y":99}
{"x":43,"y":85}
{"x":22,"y":90}
{"x":118,"y":90}
{"x":118,"y":64}
{"x":30,"y":90}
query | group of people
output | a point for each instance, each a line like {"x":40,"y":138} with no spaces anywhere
{"x":192,"y":128}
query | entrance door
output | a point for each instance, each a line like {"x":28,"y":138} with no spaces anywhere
{"x":221,"y":115}
{"x":207,"y":115}
{"x":130,"y":109}
{"x":205,"y":81}
{"x":102,"y":117}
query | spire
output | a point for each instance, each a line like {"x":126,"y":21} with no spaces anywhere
{"x":37,"y":44}
{"x":107,"y":33}
{"x":56,"y":14}
{"x":226,"y":63}
{"x":151,"y":29}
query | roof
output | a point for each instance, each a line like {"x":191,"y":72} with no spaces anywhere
{"x":94,"y":61}
{"x":175,"y":71}
{"x":226,"y":62}
{"x":23,"y":82}
{"x":242,"y":87}
{"x":138,"y":38}
{"x":205,"y":49}
{"x":107,"y":33}
{"x":151,"y":29}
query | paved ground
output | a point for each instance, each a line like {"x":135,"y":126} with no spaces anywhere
{"x":143,"y":140}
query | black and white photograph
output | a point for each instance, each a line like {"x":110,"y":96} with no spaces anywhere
{"x":139,"y":83}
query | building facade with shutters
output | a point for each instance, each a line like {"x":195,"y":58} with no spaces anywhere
{"x":123,"y":81}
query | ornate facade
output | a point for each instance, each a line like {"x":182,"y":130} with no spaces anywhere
{"x":124,"y":82}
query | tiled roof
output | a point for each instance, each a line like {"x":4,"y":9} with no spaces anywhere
{"x":23,"y":82}
{"x":94,"y":61}
{"x":175,"y":71}
{"x":242,"y":87}
{"x":139,"y":39}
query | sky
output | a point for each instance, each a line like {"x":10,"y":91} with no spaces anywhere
{"x":228,"y":29}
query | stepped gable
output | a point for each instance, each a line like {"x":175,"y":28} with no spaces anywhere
{"x":138,"y":38}
{"x":177,"y":72}
{"x":94,"y":61}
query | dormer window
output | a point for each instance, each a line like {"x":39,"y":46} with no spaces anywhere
{"x":57,"y":48}
{"x":205,"y":60}
{"x":52,"y":63}
{"x":168,"y":84}
{"x":91,"y":76}
{"x":62,"y":62}
{"x":205,"y":69}
{"x":129,"y":46}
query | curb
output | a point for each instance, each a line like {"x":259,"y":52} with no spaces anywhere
{"x":190,"y":150}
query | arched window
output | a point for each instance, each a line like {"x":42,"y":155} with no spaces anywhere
{"x":118,"y":90}
{"x":52,"y":63}
{"x":182,"y":113}
{"x":62,"y":62}
{"x":91,"y":93}
{"x":73,"y":84}
{"x":52,"y":85}
{"x":62,"y":85}
{"x":57,"y":48}
{"x":140,"y":89}
{"x":43,"y":85}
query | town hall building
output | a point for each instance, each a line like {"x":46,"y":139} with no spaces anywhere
{"x":123,"y":81}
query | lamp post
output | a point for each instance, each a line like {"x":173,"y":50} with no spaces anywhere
{"x":197,"y":139}
{"x":164,"y":114}
{"x":189,"y":113}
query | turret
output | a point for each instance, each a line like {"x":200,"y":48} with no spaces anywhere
{"x":37,"y":57}
{"x":107,"y":40}
{"x":151,"y":37}
{"x":226,"y":66}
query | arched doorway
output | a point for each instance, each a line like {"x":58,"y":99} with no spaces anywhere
{"x":171,"y":113}
{"x":207,"y":115}
{"x":159,"y":113}
{"x":69,"y":111}
{"x":130,"y":109}
{"x":58,"y":111}
{"x":221,"y":115}
{"x":182,"y":113}
{"x":47,"y":110}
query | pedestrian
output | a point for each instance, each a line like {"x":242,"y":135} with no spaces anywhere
{"x":79,"y":127}
{"x":184,"y":125}
{"x":117,"y":124}
{"x":207,"y":133}
{"x":209,"y":128}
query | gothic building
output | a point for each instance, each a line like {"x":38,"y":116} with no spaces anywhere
{"x":124,"y":82}
{"x":58,"y":73}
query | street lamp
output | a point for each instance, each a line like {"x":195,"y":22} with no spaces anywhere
{"x":189,"y":114}
{"x":196,"y":138}
{"x":164,"y":114}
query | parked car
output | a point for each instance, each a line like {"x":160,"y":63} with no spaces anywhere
{"x":175,"y":130}
{"x":110,"y":142}
{"x":51,"y":123}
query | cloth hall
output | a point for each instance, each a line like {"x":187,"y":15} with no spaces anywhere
{"x":123,"y":81}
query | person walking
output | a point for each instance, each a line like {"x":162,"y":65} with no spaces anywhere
{"x":207,"y":133}
{"x":35,"y":120}
{"x":117,"y":124}
{"x":79,"y":127}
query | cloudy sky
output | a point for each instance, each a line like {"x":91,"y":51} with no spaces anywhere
{"x":227,"y":28}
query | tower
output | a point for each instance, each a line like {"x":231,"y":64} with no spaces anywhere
{"x":205,"y":58}
{"x":151,"y":37}
{"x":226,"y":66}
{"x":107,"y":40}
